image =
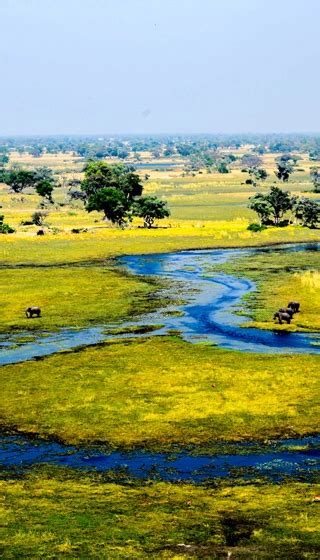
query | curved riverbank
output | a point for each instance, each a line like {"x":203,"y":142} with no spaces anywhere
{"x":204,"y":313}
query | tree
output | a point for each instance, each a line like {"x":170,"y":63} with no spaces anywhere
{"x":116,"y":190}
{"x":18,"y":179}
{"x":256,"y":175}
{"x":111,"y":189}
{"x":36,"y":151}
{"x":262,"y":207}
{"x":315,"y":177}
{"x":169,"y":151}
{"x":222,"y":167}
{"x":273,"y":204}
{"x":4,"y":158}
{"x":122,"y":153}
{"x":308,"y":211}
{"x":284,"y":170}
{"x":45,"y":189}
{"x":151,"y":208}
{"x":281,"y":201}
{"x":41,"y":179}
{"x":184,"y":149}
{"x":112,"y":202}
{"x":44,"y":182}
{"x":100,"y":175}
{"x":314,"y":155}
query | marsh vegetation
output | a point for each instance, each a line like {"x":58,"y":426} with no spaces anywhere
{"x":157,"y":392}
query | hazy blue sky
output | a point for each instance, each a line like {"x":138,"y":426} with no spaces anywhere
{"x":112,"y":66}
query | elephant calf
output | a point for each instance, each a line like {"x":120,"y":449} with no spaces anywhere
{"x":294,"y":305}
{"x":33,"y":311}
{"x":282,"y":317}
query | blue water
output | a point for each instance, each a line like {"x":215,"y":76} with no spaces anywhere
{"x":207,"y":313}
{"x":21,"y":453}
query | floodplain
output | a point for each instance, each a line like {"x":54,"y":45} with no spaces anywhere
{"x":157,"y":393}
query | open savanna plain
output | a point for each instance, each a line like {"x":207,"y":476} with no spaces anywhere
{"x":159,"y":393}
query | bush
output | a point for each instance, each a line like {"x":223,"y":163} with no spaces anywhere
{"x":79,"y":230}
{"x":5,"y":228}
{"x":38,"y":218}
{"x":284,"y":223}
{"x":256,"y":227}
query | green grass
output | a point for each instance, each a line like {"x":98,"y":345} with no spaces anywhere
{"x":70,"y":296}
{"x":58,"y":514}
{"x":102,"y":243}
{"x":280,"y":278}
{"x":208,"y":210}
{"x":162,"y":392}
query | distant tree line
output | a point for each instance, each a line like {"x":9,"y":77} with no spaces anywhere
{"x":121,"y":146}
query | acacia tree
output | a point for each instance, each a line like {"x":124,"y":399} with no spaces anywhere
{"x":151,"y":208}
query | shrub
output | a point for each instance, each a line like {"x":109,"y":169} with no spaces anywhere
{"x":79,"y":230}
{"x":5,"y":228}
{"x":256,"y":227}
{"x":38,"y":218}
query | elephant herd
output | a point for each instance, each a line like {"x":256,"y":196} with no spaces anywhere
{"x":285,"y":314}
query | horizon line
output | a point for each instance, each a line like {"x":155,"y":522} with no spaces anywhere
{"x":95,"y":134}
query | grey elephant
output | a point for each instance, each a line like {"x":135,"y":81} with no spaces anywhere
{"x":287,"y":310}
{"x":294,"y":305}
{"x":282,"y":317}
{"x":33,"y":311}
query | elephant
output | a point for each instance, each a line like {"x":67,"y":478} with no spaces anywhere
{"x":287,"y":310}
{"x":294,"y":305}
{"x":31,"y":311}
{"x":282,"y":317}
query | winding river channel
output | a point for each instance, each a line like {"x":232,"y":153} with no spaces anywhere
{"x":204,"y":312}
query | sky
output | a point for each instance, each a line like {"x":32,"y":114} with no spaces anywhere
{"x":159,"y":66}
